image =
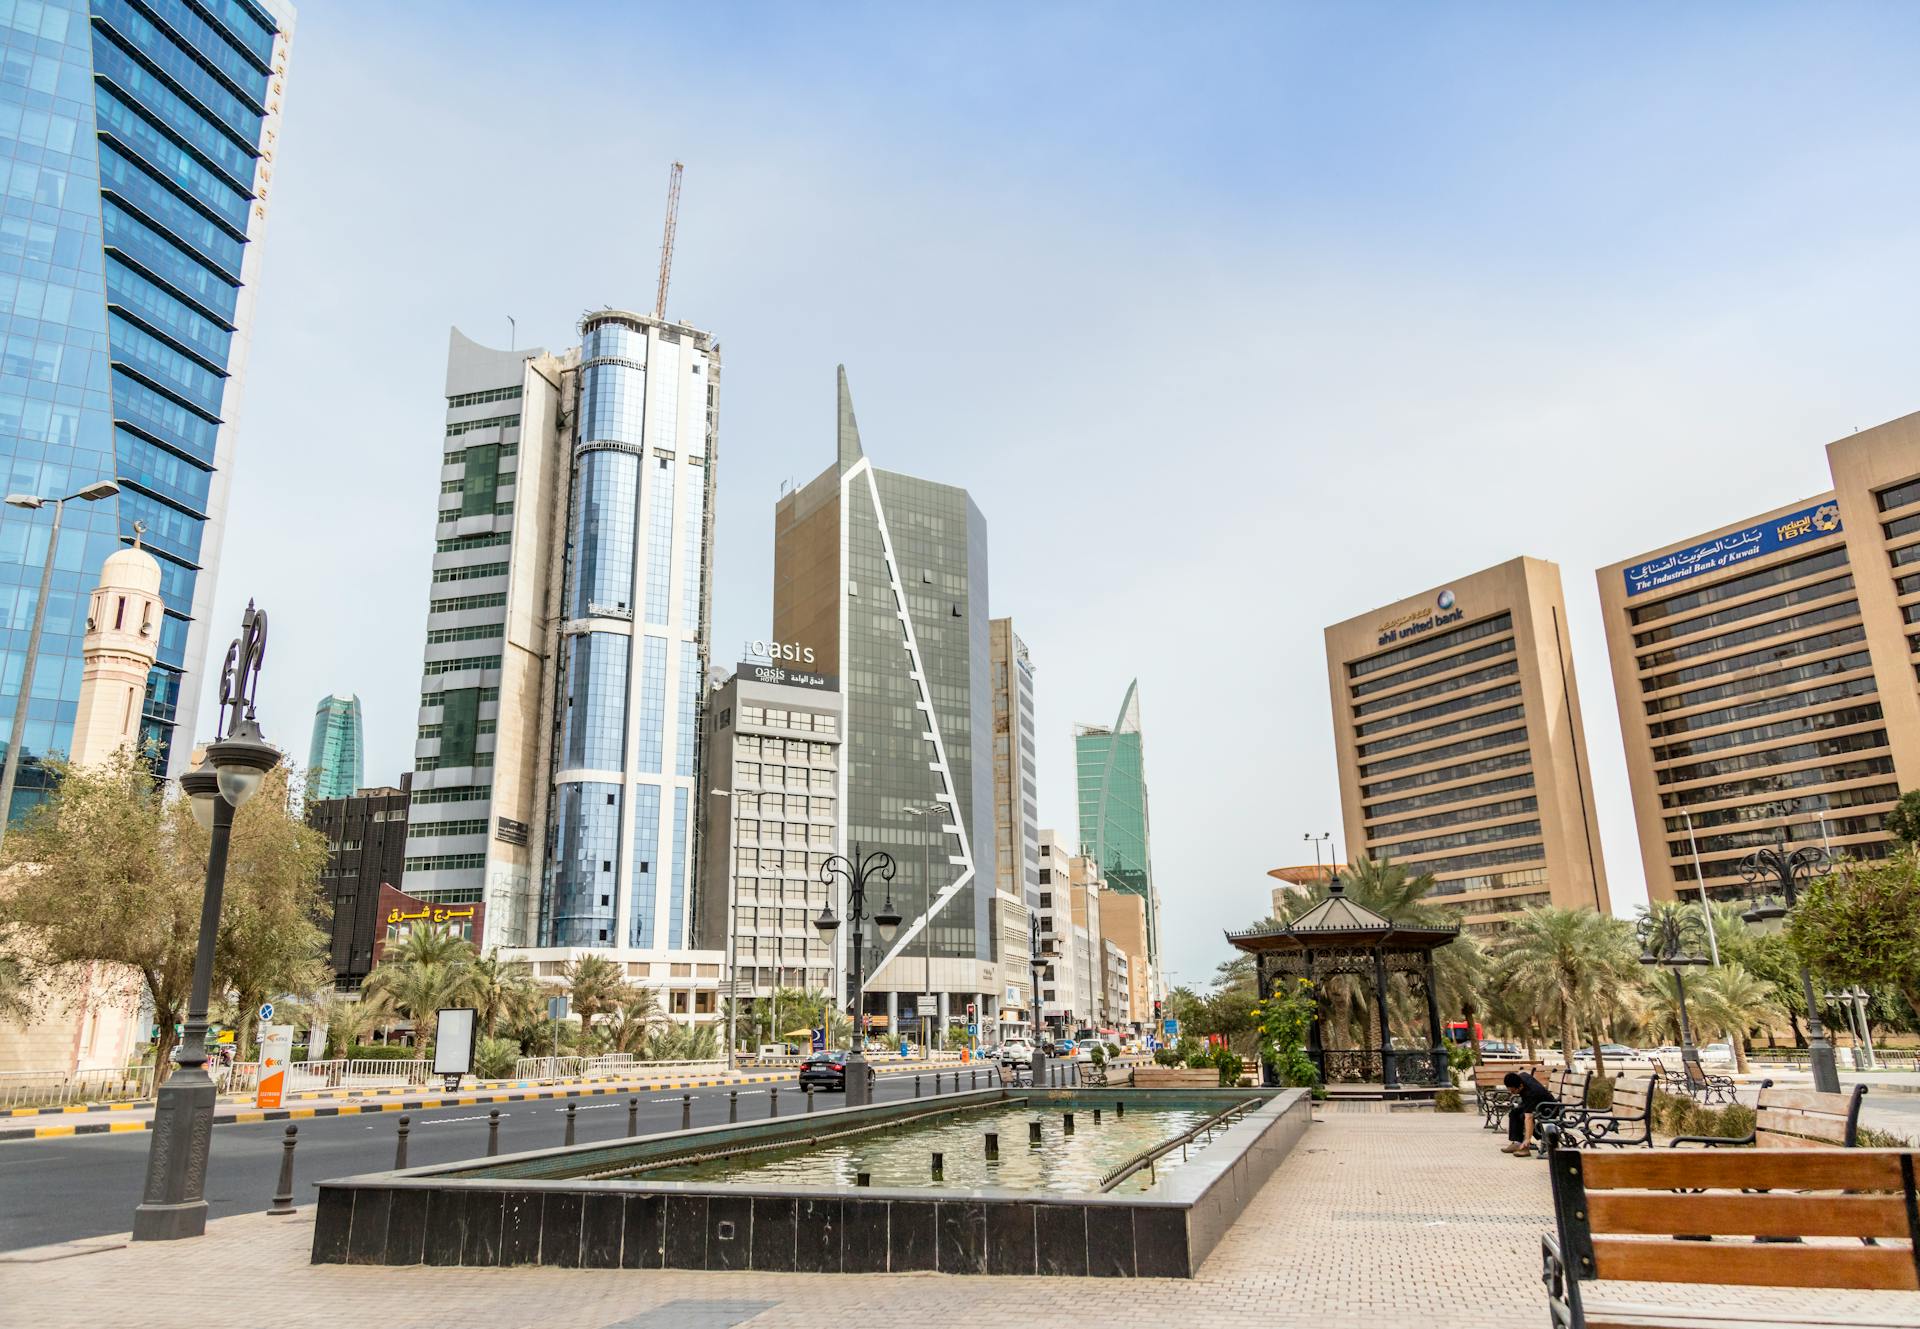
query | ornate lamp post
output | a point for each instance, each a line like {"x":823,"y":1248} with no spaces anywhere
{"x":173,"y":1204}
{"x":1665,"y":940}
{"x":854,"y":871}
{"x":1765,"y":869}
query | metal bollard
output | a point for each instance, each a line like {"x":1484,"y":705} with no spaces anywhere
{"x":993,"y":1146}
{"x":633,"y":1116}
{"x":570,"y":1119}
{"x":916,"y":1086}
{"x":1069,"y":1124}
{"x":1119,"y":1109}
{"x":1033,"y":1134}
{"x":1096,"y":1116}
{"x":976,"y":1079}
{"x":773,"y":1101}
{"x":686,"y":1112}
{"x":939,"y":1167}
{"x":493,"y":1132}
{"x":283,"y":1193}
{"x":400,"y":1143}
{"x":863,"y":1178}
{"x":733,"y":1105}
{"x":936,"y":1082}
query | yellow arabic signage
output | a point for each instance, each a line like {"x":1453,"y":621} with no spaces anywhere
{"x":438,"y":914}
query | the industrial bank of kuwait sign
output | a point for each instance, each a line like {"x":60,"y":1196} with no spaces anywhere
{"x":1442,"y":611}
{"x":1737,"y":547}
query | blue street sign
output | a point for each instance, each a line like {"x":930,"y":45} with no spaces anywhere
{"x":266,"y":1011}
{"x":818,"y":1038}
{"x":973,"y":1031}
{"x":556,"y":1008}
{"x":1172,"y":1028}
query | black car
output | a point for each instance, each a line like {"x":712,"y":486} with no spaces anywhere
{"x":828,"y":1070}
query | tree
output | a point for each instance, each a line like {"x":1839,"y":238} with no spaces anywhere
{"x":433,"y":968}
{"x":270,"y":941}
{"x":1565,"y":960}
{"x":1861,"y":924}
{"x":348,"y":1020}
{"x":636,"y":1022}
{"x":1731,"y":1000}
{"x":1903,"y":821}
{"x":503,"y":989}
{"x":101,"y":871}
{"x":596,"y":986}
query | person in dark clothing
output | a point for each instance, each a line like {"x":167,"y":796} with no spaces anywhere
{"x":1528,"y":1095}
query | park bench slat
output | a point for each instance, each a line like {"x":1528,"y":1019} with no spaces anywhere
{"x":1799,"y":1169}
{"x":1829,"y":1127}
{"x":1776,"y":1140}
{"x":1780,"y":1214}
{"x":1882,"y":1268}
{"x":1809,"y":1100}
{"x":1648,"y":1317}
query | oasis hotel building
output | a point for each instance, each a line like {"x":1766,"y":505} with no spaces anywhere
{"x":1766,"y":671}
{"x":1460,"y":747}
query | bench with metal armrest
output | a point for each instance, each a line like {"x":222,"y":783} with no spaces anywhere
{"x":1794,"y":1119}
{"x":1490,"y":1091}
{"x":1693,"y":1079}
{"x":1615,"y":1215}
{"x":1628,"y":1120}
{"x":1569,"y":1088}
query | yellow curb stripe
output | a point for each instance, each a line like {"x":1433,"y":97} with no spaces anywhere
{"x":247,"y":1118}
{"x":115,"y":1127}
{"x":48,"y":1132}
{"x":81,"y":1108}
{"x":301,"y":1113}
{"x":121,"y":1107}
{"x":23,"y":1112}
{"x":350,"y":1110}
{"x":388,"y":1107}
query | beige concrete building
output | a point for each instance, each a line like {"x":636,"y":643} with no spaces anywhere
{"x":1123,"y":925}
{"x":1765,"y":671}
{"x":1460,"y":745}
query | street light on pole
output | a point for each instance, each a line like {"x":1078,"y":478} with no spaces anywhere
{"x":1665,"y":940}
{"x":173,"y":1204}
{"x":1765,"y":869}
{"x":99,"y":489}
{"x":1326,"y":838}
{"x":926,"y":930}
{"x":854,"y":870}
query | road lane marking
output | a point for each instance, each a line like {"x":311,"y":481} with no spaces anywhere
{"x":447,"y":1121}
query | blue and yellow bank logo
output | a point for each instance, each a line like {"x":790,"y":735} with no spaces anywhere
{"x":1445,"y":601}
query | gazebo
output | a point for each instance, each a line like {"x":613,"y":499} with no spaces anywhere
{"x":1339,"y":936}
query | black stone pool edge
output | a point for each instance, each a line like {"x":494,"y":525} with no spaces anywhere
{"x":425,"y":1217}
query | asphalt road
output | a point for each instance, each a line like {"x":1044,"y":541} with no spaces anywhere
{"x":87,"y":1185}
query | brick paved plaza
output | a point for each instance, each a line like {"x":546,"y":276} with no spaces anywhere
{"x":1378,"y":1218}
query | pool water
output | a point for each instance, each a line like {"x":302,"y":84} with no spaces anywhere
{"x":901,"y":1156}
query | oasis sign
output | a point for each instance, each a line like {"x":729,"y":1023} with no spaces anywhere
{"x":791,"y":651}
{"x":1442,"y":611}
{"x":1736,"y":547}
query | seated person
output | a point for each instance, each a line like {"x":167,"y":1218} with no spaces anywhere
{"x":1528,"y":1094}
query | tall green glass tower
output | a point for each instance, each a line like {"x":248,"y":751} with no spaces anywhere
{"x":1113,"y":808}
{"x":335,"y":764}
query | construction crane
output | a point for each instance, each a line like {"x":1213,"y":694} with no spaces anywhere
{"x":666,"y":240}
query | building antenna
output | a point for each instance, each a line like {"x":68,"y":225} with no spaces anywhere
{"x":666,"y":240}
{"x":513,"y":333}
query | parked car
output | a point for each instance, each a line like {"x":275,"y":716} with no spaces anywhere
{"x":1495,"y":1049}
{"x":1618,"y":1054}
{"x":1084,"y":1051}
{"x":1015,"y":1051}
{"x":828,"y":1071}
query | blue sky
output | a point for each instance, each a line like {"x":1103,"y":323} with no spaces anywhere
{"x":1235,"y":321}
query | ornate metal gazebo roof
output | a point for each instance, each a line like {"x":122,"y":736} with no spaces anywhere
{"x":1340,"y":921}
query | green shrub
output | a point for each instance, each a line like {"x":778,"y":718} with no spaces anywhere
{"x":383,"y":1052}
{"x":1448,"y":1100}
{"x":1227,"y":1061}
{"x":1099,"y":1055}
{"x":1600,"y":1091}
{"x":1167,"y":1057}
{"x":1870,"y":1138}
{"x":1459,"y":1058}
{"x":1674,"y":1114}
{"x":494,"y":1058}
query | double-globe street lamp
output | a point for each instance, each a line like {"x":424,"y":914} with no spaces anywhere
{"x":174,"y":1204}
{"x":1668,"y":939}
{"x":854,"y":870}
{"x":1789,"y":870}
{"x":99,"y":489}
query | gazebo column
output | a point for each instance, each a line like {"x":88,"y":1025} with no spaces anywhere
{"x":1434,"y":1041}
{"x":1390,"y":1074}
{"x":1316,"y":1048}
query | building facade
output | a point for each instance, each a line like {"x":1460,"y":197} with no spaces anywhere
{"x":773,"y":738}
{"x":566,"y":649}
{"x":1765,"y":672}
{"x":141,"y":141}
{"x":1016,"y":817}
{"x":367,"y":841}
{"x":1460,"y":745}
{"x":1114,"y":826}
{"x":884,"y":578}
{"x":336,"y":765}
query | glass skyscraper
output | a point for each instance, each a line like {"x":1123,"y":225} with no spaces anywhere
{"x":1113,"y":808}
{"x":335,"y":764}
{"x":137,"y":142}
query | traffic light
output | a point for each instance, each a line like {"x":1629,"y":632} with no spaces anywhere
{"x":969,"y":1008}
{"x":1156,"y":1010}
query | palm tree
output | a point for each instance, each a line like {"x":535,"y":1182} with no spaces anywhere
{"x":596,"y":985}
{"x":503,"y":988}
{"x":432,"y":968}
{"x":636,"y":1022}
{"x":1731,"y":999}
{"x":1566,"y":962}
{"x":431,"y":944}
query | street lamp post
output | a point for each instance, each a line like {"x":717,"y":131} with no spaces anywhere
{"x":854,"y":871}
{"x":32,"y":502}
{"x":1665,"y":941}
{"x":1854,"y":1001}
{"x":173,"y":1204}
{"x":930,"y":811}
{"x":733,"y":938}
{"x":1037,"y":1063}
{"x":1766,"y":869}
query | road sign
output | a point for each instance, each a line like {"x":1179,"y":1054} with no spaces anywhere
{"x":556,"y":1008}
{"x":1172,"y":1028}
{"x":266,"y":1011}
{"x":276,"y":1050}
{"x":973,"y":1031}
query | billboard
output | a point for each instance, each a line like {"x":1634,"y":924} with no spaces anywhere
{"x":1735,"y":547}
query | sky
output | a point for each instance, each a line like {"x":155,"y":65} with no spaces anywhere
{"x":1236,"y":321}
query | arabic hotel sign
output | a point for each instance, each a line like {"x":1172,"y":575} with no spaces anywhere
{"x":400,"y":913}
{"x":1737,"y":547}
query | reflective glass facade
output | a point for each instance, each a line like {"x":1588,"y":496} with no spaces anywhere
{"x":137,"y":140}
{"x":336,"y":766}
{"x":1111,"y":769}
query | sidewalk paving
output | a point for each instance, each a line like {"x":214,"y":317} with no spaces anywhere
{"x":1377,"y":1218}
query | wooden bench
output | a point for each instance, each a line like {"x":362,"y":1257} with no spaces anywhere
{"x":1693,"y":1079}
{"x":1174,"y":1077}
{"x":1490,"y":1091}
{"x":1795,"y":1119}
{"x":1628,"y":1121}
{"x":1015,"y":1075}
{"x":1615,"y":1213}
